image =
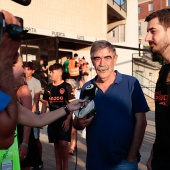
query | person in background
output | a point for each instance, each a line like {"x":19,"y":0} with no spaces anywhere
{"x":158,"y":37}
{"x":28,"y":148}
{"x":75,"y":95}
{"x":66,"y":74}
{"x":34,"y":86}
{"x":44,"y":73}
{"x":115,"y":133}
{"x":85,"y":70}
{"x":74,"y":67}
{"x":56,"y":95}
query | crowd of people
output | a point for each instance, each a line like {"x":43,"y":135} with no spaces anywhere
{"x":113,"y":135}
{"x":78,"y":69}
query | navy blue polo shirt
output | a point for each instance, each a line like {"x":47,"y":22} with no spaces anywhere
{"x":110,"y":133}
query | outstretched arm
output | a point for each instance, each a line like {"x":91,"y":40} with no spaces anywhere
{"x":41,"y":120}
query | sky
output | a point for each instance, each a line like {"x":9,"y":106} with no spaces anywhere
{"x":119,"y":1}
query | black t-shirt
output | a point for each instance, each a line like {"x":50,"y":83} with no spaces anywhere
{"x":58,"y":96}
{"x":161,"y":148}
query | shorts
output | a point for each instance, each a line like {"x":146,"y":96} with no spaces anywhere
{"x":56,"y":133}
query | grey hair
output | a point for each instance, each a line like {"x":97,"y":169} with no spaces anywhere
{"x":101,"y":44}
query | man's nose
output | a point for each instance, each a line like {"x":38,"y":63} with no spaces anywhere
{"x":148,"y":37}
{"x":102,"y":60}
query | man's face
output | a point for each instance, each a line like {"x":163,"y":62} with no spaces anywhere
{"x":55,"y":74}
{"x":157,"y":37}
{"x":19,"y":72}
{"x":28,"y":72}
{"x":104,"y":61}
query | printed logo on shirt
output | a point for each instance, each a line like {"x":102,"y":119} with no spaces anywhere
{"x":161,"y":98}
{"x":56,"y":98}
{"x":62,"y":91}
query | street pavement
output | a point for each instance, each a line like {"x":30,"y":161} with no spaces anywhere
{"x":48,"y":152}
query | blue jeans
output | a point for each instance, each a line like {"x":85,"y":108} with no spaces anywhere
{"x":125,"y":165}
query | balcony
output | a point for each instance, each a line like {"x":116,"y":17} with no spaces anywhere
{"x":116,"y":13}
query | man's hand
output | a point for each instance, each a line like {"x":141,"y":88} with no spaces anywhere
{"x":81,"y":123}
{"x":65,"y":125}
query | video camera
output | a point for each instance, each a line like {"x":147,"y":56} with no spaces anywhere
{"x":16,"y":32}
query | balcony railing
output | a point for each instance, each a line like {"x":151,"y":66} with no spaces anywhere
{"x":122,"y":4}
{"x":147,"y":85}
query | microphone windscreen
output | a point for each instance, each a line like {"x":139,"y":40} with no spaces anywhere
{"x":90,"y":91}
{"x":23,"y":2}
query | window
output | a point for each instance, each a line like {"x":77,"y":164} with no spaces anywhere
{"x":150,"y":7}
{"x":139,"y":28}
{"x":168,"y":3}
{"x":113,"y":33}
{"x":138,"y":9}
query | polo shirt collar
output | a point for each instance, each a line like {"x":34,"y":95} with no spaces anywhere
{"x":118,"y":78}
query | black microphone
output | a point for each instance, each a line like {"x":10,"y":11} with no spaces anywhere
{"x":23,"y":2}
{"x":89,"y":93}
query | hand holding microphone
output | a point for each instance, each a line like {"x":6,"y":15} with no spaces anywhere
{"x":89,"y":93}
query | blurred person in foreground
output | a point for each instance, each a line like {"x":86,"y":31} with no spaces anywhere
{"x":158,"y":37}
{"x":9,"y":158}
{"x":115,"y":133}
{"x":8,"y":102}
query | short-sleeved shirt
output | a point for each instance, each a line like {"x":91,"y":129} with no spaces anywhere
{"x":35,"y":87}
{"x":4,"y":100}
{"x":66,"y":63}
{"x":161,"y":147}
{"x":57,"y":96}
{"x":110,"y":133}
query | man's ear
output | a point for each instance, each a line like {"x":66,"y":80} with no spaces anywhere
{"x":115,"y":58}
{"x":168,"y":31}
{"x":33,"y":71}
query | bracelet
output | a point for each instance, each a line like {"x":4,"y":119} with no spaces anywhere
{"x":66,"y":110}
{"x":24,"y":144}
